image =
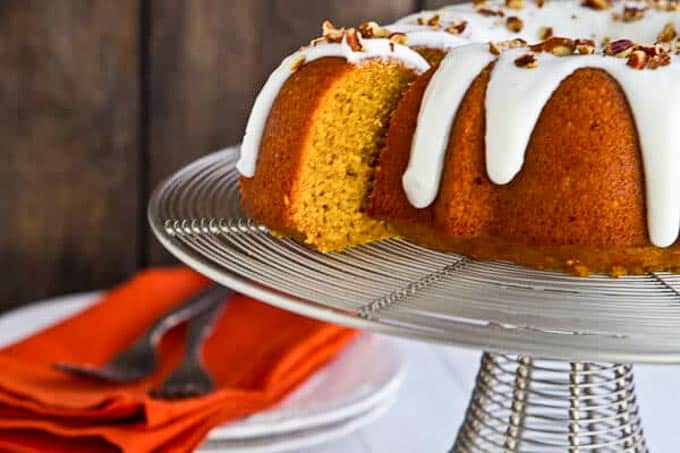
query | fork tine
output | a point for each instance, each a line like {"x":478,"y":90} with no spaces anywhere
{"x":190,"y":378}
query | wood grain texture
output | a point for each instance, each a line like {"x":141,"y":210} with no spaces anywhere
{"x":69,"y":158}
{"x":208,"y":59}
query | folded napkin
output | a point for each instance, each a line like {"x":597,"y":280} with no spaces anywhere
{"x":257,"y":355}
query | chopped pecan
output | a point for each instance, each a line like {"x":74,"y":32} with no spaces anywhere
{"x":434,"y":21}
{"x":514,"y":24}
{"x":665,"y":5}
{"x":328,"y":28}
{"x":316,"y":41}
{"x":354,"y":40}
{"x":597,"y":4}
{"x":367,"y":29}
{"x":497,"y":47}
{"x":528,"y":60}
{"x":558,"y":46}
{"x":545,"y":33}
{"x":494,"y":48}
{"x":398,"y":38}
{"x":633,"y":13}
{"x":667,"y":34}
{"x":540,"y":3}
{"x":584,"y":46}
{"x":514,"y":4}
{"x":637,"y":59}
{"x":330,"y":32}
{"x":491,"y":12}
{"x":664,"y":47}
{"x":656,"y":61}
{"x":620,"y":48}
{"x":458,"y":28}
{"x":514,"y":43}
{"x":370,"y":30}
{"x":650,"y":51}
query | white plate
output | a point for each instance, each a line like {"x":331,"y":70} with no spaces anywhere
{"x":348,"y":392}
{"x":366,"y":374}
{"x":297,"y":439}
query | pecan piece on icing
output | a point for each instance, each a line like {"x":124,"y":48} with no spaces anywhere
{"x":528,"y":60}
{"x":620,"y":48}
{"x":514,"y":24}
{"x":597,"y":4}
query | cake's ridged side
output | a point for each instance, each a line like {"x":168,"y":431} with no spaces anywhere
{"x":387,"y":199}
{"x":582,"y":182}
{"x":466,"y":203}
{"x":578,"y":204}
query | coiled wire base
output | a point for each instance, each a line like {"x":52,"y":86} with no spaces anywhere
{"x":525,"y":405}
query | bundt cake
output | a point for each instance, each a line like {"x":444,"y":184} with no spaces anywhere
{"x":543,"y":133}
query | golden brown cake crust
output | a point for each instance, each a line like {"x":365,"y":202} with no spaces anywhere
{"x":577,"y":204}
{"x":387,"y":200}
{"x":318,"y":151}
{"x":266,"y":197}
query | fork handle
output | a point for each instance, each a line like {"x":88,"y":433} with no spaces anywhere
{"x":201,"y":326}
{"x":198,"y":304}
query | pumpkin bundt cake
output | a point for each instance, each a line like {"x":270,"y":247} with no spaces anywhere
{"x":543,"y":133}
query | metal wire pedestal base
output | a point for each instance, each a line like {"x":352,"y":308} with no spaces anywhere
{"x":524,"y":405}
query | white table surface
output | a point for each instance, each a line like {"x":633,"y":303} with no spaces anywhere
{"x":432,"y":402}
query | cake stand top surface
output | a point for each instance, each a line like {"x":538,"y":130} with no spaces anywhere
{"x":399,"y":288}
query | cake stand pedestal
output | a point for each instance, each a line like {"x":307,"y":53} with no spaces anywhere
{"x":556,"y":374}
{"x":523,"y":404}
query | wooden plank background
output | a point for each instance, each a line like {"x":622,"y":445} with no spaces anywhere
{"x":101,"y":100}
{"x":69,"y":122}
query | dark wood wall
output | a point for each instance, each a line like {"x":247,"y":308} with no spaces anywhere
{"x":101,"y":99}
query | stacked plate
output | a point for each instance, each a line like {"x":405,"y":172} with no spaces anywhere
{"x":352,"y":391}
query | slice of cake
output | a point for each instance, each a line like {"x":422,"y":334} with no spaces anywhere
{"x":315,"y":133}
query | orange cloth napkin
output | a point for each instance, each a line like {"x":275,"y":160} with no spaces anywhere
{"x":257,"y":355}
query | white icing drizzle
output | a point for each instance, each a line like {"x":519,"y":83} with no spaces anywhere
{"x":372,"y":49}
{"x":421,"y":179}
{"x":516,"y":96}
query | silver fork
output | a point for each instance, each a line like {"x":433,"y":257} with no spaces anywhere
{"x":190,"y":378}
{"x":140,"y":359}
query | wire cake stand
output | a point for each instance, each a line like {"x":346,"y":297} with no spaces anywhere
{"x":556,"y":374}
